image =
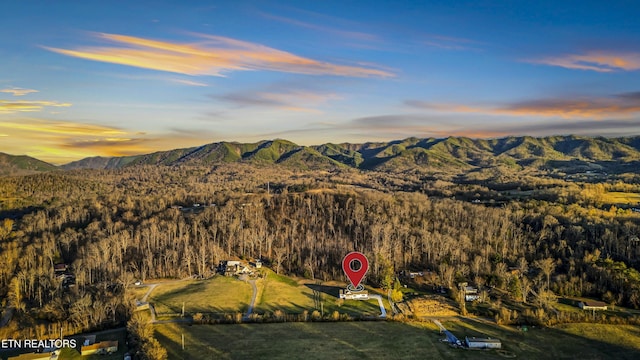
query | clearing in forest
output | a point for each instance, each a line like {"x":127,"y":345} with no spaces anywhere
{"x":218,"y":295}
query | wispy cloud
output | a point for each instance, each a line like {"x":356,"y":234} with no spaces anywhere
{"x":348,"y":34}
{"x":292,"y":100}
{"x":615,"y":106}
{"x":109,"y":147}
{"x":8,"y":107}
{"x":60,"y":142}
{"x":210,"y":55}
{"x":59,"y":127}
{"x":47,"y":139}
{"x":449,"y":43}
{"x":18,"y":91}
{"x":596,"y":108}
{"x":395,"y":126}
{"x":189,"y":82}
{"x":405,"y":125}
{"x":600,"y":61}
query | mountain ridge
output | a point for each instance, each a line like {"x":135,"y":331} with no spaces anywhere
{"x":458,"y":153}
{"x":21,"y":164}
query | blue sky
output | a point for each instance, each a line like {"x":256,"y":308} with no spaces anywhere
{"x":87,"y":78}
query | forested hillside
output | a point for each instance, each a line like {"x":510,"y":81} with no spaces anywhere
{"x":452,"y":155}
{"x":115,"y":226}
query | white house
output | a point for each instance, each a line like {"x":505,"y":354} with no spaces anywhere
{"x":482,"y":343}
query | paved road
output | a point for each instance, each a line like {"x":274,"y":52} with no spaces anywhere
{"x":452,"y":339}
{"x":253,"y":298}
{"x":437,"y":322}
{"x":151,"y":287}
{"x":383,"y":311}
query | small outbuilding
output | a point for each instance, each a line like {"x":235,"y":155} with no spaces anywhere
{"x":470,"y":293}
{"x":592,"y":305}
{"x":482,"y":343}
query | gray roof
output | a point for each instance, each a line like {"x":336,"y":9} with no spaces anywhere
{"x":483,"y":340}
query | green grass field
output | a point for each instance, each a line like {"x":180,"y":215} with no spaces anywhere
{"x":283,"y":293}
{"x":218,"y":295}
{"x":295,"y":296}
{"x":623,"y":198}
{"x":392,"y":340}
{"x":563,"y":342}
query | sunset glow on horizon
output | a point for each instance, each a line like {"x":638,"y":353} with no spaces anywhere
{"x":84,"y":79}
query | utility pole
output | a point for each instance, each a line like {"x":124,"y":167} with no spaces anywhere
{"x":183,"y":310}
{"x":182,"y":341}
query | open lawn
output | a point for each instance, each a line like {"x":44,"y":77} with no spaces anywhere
{"x":276,"y":292}
{"x":351,"y":340}
{"x":218,"y":295}
{"x":562,"y":342}
{"x":296,"y":295}
{"x":393,"y":340}
{"x":329,"y":294}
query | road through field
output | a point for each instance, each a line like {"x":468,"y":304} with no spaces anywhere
{"x":151,"y":287}
{"x":253,"y":298}
{"x":383,"y":311}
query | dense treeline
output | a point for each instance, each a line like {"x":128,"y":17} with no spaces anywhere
{"x":114,"y":227}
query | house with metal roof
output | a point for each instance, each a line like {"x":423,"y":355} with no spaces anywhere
{"x":482,"y":343}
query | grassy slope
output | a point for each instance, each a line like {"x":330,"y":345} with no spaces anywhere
{"x":390,"y":340}
{"x":219,"y":295}
{"x":295,"y":296}
{"x":280,"y":292}
{"x":20,"y":163}
{"x":353,"y":340}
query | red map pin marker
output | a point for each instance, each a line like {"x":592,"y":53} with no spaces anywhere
{"x":355,"y":276}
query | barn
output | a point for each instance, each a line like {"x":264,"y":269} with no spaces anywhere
{"x":592,"y":305}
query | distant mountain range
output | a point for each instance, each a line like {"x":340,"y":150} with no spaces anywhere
{"x":456,"y":153}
